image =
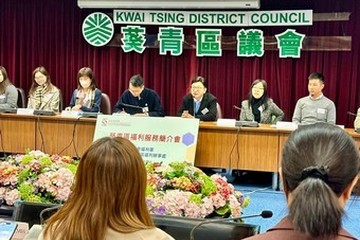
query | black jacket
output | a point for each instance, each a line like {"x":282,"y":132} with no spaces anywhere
{"x":207,"y":110}
{"x":148,"y":98}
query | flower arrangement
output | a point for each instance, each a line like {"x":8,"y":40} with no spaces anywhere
{"x":36,"y":177}
{"x":180,"y":189}
{"x":177,"y":189}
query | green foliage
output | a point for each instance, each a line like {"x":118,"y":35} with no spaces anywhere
{"x":209,"y":186}
{"x":196,"y":198}
{"x":72,"y":168}
{"x":23,"y":175}
{"x":45,"y":161}
{"x":25,"y":189}
{"x":223,"y":210}
{"x":149,"y":190}
{"x":246,"y":202}
{"x":27,"y":159}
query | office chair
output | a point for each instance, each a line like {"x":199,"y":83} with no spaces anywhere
{"x":105,"y":107}
{"x":61,"y":101}
{"x":21,"y":102}
{"x":218,"y":111}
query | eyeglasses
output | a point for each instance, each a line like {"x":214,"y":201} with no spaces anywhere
{"x":258,"y":88}
{"x":197,"y":88}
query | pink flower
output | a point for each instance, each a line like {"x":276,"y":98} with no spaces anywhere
{"x":11,"y":196}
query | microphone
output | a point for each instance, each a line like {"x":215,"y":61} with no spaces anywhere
{"x":263,"y":214}
{"x":353,"y":114}
{"x":49,"y":211}
{"x":236,"y":107}
{"x":131,"y":106}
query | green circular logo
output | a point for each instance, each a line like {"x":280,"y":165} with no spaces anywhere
{"x":98,"y":29}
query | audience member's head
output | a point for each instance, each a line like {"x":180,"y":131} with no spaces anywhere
{"x":198,"y":87}
{"x":85,"y":78}
{"x":320,"y":166}
{"x":109,"y":192}
{"x":136,"y":85}
{"x":316,"y":84}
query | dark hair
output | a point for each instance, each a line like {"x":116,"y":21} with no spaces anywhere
{"x":137,"y":81}
{"x":323,"y":148}
{"x":316,"y":75}
{"x":199,"y":79}
{"x":264,"y":99}
{"x":86,"y":71}
{"x":5,"y":81}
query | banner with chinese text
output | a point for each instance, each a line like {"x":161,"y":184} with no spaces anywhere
{"x":157,"y":139}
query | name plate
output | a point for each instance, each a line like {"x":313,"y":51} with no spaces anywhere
{"x":286,"y":125}
{"x":226,"y":122}
{"x":71,"y":114}
{"x":25,"y":111}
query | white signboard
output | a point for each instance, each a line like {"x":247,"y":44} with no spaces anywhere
{"x":213,"y":18}
{"x":158,"y":139}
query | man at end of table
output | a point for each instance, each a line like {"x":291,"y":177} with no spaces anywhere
{"x":315,"y":107}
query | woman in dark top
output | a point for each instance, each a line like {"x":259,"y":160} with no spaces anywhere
{"x":258,"y":107}
{"x":87,"y":97}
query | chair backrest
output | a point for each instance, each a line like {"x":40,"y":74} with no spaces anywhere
{"x":218,"y":111}
{"x":21,"y":102}
{"x":30,"y":212}
{"x":180,"y":228}
{"x":61,"y":101}
{"x":105,"y":104}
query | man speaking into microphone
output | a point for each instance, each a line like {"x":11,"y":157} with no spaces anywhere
{"x":139,"y":100}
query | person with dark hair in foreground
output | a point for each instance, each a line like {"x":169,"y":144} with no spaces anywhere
{"x":319,"y":168}
{"x":139,"y":100}
{"x":108,"y":199}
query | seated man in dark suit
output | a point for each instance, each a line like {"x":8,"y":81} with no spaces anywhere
{"x":139,"y":100}
{"x":199,"y":103}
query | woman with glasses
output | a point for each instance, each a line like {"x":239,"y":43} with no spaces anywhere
{"x":199,"y":103}
{"x":258,"y":107}
{"x":43,"y":95}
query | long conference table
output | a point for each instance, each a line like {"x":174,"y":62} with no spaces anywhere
{"x":244,"y":148}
